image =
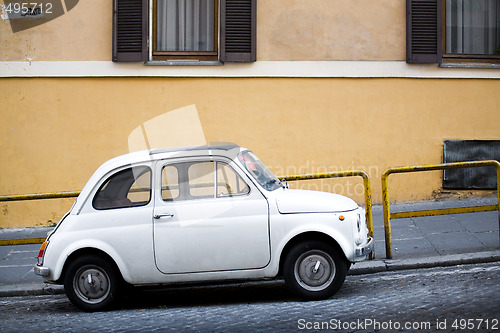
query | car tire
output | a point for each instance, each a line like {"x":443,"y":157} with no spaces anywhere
{"x":314,"y":270}
{"x":91,"y":283}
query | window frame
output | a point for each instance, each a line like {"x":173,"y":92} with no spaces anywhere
{"x":426,"y":36}
{"x":133,"y":42}
{"x":238,"y":179}
{"x":461,"y":57}
{"x":168,"y":185}
{"x":191,"y":185}
{"x":183,"y":55}
{"x":105,"y":181}
{"x":184,"y":181}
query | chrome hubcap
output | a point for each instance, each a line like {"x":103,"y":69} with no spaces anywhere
{"x":91,"y":285}
{"x":314,"y":270}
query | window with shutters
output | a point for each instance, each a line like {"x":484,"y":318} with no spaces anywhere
{"x":472,"y":29}
{"x":452,"y":31}
{"x":184,"y":30}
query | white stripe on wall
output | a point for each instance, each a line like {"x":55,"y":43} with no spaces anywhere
{"x":298,"y":69}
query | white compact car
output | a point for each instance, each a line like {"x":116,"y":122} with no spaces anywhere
{"x":196,"y":214}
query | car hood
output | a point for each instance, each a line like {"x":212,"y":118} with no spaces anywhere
{"x":303,"y":201}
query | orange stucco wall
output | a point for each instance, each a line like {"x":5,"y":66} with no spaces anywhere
{"x":56,"y":131}
{"x":287,"y":30}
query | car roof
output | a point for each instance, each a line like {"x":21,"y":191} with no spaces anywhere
{"x":230,"y":150}
{"x":214,"y":146}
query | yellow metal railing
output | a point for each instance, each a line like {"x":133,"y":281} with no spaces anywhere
{"x":337,"y":174}
{"x":22,"y":241}
{"x":385,"y":196}
{"x":36,"y":196}
{"x":348,"y":173}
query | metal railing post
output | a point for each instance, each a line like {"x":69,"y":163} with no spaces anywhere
{"x":387,"y":214}
{"x":433,"y":167}
{"x":347,"y":173}
{"x":498,"y":197}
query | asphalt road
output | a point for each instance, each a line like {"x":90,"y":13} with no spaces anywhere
{"x":463,"y":298}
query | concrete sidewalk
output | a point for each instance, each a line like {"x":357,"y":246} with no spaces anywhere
{"x":417,"y":243}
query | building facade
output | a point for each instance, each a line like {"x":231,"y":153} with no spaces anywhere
{"x":309,"y":86}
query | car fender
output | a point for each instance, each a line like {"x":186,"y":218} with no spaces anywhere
{"x":93,"y":244}
{"x":341,"y":239}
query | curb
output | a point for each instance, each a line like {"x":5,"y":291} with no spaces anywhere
{"x":35,"y":289}
{"x":364,"y":267}
{"x":386,"y":265}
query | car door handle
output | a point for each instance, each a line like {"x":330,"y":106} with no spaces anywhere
{"x":159,"y":216}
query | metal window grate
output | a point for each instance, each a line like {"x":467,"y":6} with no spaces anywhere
{"x":483,"y":178}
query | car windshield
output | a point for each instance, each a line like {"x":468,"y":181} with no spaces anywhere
{"x":259,"y":171}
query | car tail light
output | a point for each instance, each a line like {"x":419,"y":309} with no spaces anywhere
{"x":41,"y":253}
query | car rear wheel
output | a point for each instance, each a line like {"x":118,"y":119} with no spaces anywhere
{"x":313,"y":270}
{"x":91,"y":283}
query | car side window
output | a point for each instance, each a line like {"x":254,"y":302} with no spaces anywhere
{"x":201,"y":180}
{"x":170,"y":188}
{"x":127,"y":188}
{"x":229,"y":183}
{"x":185,"y":181}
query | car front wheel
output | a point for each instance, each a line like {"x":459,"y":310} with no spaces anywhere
{"x":313,"y":270}
{"x":91,"y":283}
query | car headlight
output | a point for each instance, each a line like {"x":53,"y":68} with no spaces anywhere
{"x":359,"y":239}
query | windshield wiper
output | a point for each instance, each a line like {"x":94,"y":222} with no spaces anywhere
{"x":270,"y":182}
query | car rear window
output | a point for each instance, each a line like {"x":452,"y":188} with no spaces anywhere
{"x":127,"y":188}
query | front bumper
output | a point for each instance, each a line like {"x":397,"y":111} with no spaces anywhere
{"x":363,"y":251}
{"x":42,"y":271}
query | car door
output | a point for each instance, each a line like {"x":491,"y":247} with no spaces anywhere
{"x":208,"y":217}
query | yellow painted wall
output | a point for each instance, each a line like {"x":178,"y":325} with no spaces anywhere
{"x":83,"y":33}
{"x":56,"y":131}
{"x":286,"y":30}
{"x":331,"y":30}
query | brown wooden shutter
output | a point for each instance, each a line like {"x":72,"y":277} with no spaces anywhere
{"x":423,"y":31}
{"x":130,"y":30}
{"x":238,"y":30}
